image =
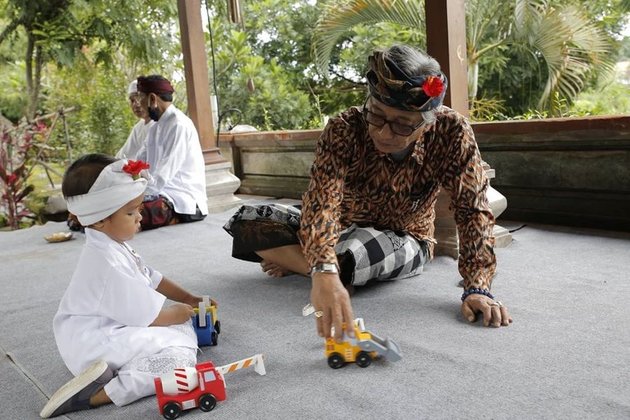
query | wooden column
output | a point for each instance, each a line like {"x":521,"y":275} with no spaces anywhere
{"x":196,"y":73}
{"x":446,"y":42}
{"x":220,"y":181}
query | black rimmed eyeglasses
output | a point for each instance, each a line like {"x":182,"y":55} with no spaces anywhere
{"x":379,"y":121}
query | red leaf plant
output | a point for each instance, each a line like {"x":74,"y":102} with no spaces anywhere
{"x":16,"y":153}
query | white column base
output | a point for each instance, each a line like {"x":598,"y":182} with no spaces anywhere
{"x":221,"y":184}
{"x":446,"y":230}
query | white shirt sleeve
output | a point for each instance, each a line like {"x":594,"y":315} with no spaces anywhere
{"x":125,"y":150}
{"x":173,"y":153}
{"x":129,"y":300}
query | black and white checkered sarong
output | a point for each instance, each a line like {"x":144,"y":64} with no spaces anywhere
{"x":376,"y":254}
{"x":381,"y":254}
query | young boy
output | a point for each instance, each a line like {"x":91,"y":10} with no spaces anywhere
{"x":111,"y":329}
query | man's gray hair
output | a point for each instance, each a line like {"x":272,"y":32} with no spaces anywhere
{"x":414,"y":63}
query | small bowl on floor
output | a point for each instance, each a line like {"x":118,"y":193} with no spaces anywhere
{"x":59,"y":237}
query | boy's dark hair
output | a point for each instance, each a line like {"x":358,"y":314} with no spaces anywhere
{"x":82,"y":174}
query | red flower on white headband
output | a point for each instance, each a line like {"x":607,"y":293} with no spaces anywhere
{"x":134,"y":167}
{"x":433,"y":86}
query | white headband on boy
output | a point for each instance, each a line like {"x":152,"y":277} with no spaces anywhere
{"x":112,"y":189}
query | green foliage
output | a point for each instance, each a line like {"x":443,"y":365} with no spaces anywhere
{"x":273,"y":50}
{"x":533,"y":54}
{"x":245,"y":60}
{"x":103,"y":119}
{"x":62,"y":31}
{"x":13,"y":102}
{"x":613,"y":98}
{"x":548,"y":50}
{"x":624,"y":49}
{"x":486,"y":109}
{"x":274,"y":104}
{"x":339,"y":17}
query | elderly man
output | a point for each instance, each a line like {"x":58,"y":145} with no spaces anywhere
{"x":177,"y":192}
{"x":369,"y":209}
{"x":138,"y":134}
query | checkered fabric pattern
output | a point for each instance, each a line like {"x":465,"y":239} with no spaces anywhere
{"x":375,"y":254}
{"x":381,"y":255}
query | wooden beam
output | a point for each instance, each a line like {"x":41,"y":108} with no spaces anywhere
{"x":196,"y":73}
{"x":446,"y":42}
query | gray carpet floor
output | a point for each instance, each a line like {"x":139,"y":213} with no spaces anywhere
{"x":566,"y":356}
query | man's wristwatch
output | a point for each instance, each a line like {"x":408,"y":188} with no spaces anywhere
{"x":324,"y":268}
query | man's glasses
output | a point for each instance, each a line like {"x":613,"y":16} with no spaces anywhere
{"x":379,"y":121}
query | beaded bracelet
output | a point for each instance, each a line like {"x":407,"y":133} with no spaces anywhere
{"x":475,"y":291}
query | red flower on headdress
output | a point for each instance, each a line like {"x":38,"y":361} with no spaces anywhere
{"x":433,"y":86}
{"x":134,"y":167}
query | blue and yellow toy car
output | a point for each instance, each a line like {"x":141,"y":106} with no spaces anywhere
{"x":206,"y":323}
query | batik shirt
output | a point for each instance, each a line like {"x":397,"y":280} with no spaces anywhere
{"x":353,"y":182}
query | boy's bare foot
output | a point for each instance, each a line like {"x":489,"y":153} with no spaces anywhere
{"x":274,"y":270}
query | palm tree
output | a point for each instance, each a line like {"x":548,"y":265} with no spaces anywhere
{"x":340,"y":16}
{"x":559,"y":43}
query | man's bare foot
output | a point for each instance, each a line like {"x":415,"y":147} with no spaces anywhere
{"x":274,"y":270}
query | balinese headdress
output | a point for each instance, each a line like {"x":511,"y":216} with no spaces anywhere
{"x":151,"y":85}
{"x":116,"y":185}
{"x":393,"y":87}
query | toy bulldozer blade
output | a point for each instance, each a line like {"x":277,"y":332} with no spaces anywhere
{"x":388,"y":349}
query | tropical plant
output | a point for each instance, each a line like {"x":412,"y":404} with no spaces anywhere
{"x":551,"y":47}
{"x":18,"y":152}
{"x":60,"y":31}
{"x":567,"y":46}
{"x":247,"y":70}
{"x":338,"y":18}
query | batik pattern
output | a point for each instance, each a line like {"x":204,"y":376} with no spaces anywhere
{"x":352,"y":182}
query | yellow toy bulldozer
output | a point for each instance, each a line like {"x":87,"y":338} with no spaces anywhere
{"x":362,"y":349}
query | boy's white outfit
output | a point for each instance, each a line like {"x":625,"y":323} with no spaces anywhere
{"x":178,"y":169}
{"x":105,"y":314}
{"x":135,"y":141}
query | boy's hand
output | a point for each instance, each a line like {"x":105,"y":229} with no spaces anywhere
{"x":178,"y":313}
{"x":195,"y":300}
{"x":182,"y":312}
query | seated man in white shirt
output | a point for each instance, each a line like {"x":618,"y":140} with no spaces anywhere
{"x":177,"y":192}
{"x":138,"y":134}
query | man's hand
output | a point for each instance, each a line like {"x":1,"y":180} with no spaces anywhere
{"x":494,"y":313}
{"x":330,"y":297}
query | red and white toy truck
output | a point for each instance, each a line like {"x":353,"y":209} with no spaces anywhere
{"x":200,"y":386}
